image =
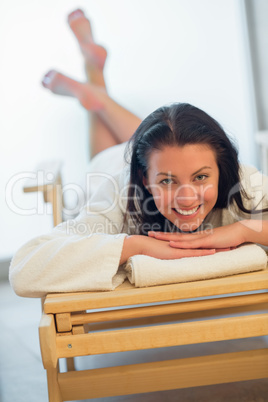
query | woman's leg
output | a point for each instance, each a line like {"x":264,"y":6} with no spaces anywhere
{"x":94,"y":54}
{"x":100,"y":136}
{"x":120,"y":122}
{"x":110,"y":123}
{"x":106,"y":125}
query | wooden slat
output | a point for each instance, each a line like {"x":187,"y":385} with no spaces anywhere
{"x":64,"y":333}
{"x":55,"y":197}
{"x":165,"y":375}
{"x":47,"y":336}
{"x":78,"y":329}
{"x":63,"y":321}
{"x":172,"y":318}
{"x":163,"y":336}
{"x":70,"y":365}
{"x":48,"y":181}
{"x":54,"y":392}
{"x":127,"y":294}
{"x":167,"y":309}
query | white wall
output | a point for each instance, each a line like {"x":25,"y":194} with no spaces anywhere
{"x":160,"y":51}
{"x":257,"y":12}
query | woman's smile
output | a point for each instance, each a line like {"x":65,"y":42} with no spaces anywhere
{"x":184,"y":183}
{"x":187,"y":212}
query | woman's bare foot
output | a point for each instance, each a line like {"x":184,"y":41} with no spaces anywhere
{"x":95,"y":55}
{"x":88,"y":95}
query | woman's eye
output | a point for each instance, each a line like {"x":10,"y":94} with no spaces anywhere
{"x":201,"y":177}
{"x":167,"y":181}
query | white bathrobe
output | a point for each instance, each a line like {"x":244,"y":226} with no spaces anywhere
{"x":83,"y":254}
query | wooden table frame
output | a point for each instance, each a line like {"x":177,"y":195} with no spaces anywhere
{"x":81,"y":324}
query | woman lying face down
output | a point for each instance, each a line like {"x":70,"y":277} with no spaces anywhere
{"x":187,"y":196}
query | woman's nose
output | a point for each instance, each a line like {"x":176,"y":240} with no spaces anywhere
{"x":186,"y":195}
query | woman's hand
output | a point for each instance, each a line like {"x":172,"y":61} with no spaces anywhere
{"x":222,"y":238}
{"x":158,"y":248}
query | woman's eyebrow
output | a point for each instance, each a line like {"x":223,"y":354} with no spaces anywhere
{"x":173,"y":175}
{"x":199,"y":170}
{"x":166,"y":174}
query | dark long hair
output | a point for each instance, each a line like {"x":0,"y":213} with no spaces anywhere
{"x":178,"y":125}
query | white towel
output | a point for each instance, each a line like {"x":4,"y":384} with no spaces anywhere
{"x":148,"y":271}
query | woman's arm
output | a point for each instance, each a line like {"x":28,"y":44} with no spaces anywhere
{"x":84,"y":254}
{"x":59,"y":262}
{"x":255,"y":231}
{"x":66,"y":261}
{"x":245,"y":231}
{"x":138,"y":244}
{"x":79,"y":255}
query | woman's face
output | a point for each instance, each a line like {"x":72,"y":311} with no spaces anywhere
{"x":184,"y":183}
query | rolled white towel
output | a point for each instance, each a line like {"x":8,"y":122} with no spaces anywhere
{"x":148,"y":271}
